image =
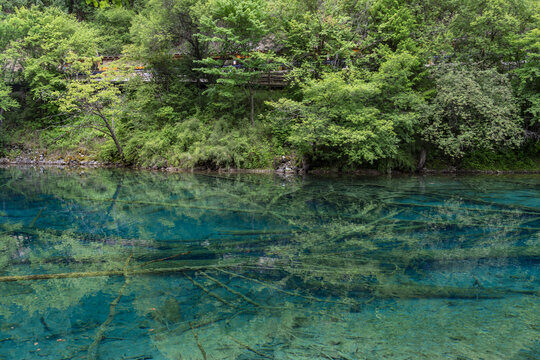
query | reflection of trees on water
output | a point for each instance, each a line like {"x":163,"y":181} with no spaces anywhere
{"x":255,"y":266}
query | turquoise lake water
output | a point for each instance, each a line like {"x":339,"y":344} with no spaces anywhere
{"x":117,"y":264}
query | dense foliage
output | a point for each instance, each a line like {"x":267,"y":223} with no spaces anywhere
{"x":238,"y":83}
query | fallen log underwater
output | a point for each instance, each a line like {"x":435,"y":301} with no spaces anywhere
{"x":402,"y":291}
{"x":387,"y":290}
{"x":196,"y":259}
{"x":265,"y":238}
{"x":434,"y":255}
{"x":93,"y":348}
{"x":411,"y":291}
{"x":68,"y":275}
{"x":383,"y":259}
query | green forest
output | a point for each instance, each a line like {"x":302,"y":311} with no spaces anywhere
{"x":390,"y":85}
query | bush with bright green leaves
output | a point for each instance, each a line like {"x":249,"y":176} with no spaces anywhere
{"x":472,"y":110}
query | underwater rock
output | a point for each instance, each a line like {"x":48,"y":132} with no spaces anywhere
{"x":169,"y":313}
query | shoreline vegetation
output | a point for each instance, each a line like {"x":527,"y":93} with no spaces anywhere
{"x":295,"y":86}
{"x":292,"y":172}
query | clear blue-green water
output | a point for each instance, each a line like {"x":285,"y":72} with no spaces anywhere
{"x":141,"y":265}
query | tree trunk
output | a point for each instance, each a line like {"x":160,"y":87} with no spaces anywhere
{"x":118,"y":147}
{"x":252,"y":105}
{"x":422,"y":160}
{"x":306,"y":163}
{"x":70,"y":6}
{"x":113,"y":136}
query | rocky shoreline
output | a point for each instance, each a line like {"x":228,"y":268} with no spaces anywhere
{"x":287,"y":172}
{"x":60,"y":162}
{"x":284,"y":165}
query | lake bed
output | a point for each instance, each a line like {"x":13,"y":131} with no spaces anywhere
{"x":122,"y":264}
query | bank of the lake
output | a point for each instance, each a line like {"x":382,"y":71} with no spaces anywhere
{"x":513,"y":162}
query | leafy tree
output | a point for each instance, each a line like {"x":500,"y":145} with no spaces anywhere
{"x":80,"y":8}
{"x":12,"y":29}
{"x":113,"y":25}
{"x":6,"y":102}
{"x":168,"y":26}
{"x":485,"y":30}
{"x":528,"y":75}
{"x":394,"y":24}
{"x":93,"y":102}
{"x":10,"y":6}
{"x":43,"y":48}
{"x":352,"y":115}
{"x":399,"y":101}
{"x":473,"y":109}
{"x":106,"y":3}
{"x":316,"y":43}
{"x":235,"y":30}
{"x":336,"y":120}
{"x":207,"y":60}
